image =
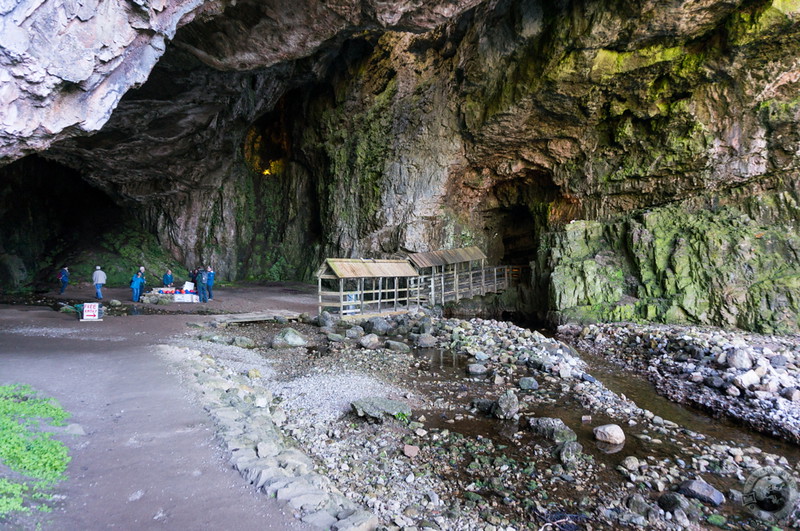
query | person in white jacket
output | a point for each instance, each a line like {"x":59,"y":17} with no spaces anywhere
{"x":98,"y":279}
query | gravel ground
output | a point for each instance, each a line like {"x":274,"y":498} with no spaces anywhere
{"x":454,"y":464}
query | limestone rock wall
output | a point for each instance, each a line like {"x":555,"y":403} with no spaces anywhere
{"x":642,"y":157}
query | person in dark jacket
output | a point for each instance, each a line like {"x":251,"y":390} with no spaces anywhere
{"x":202,"y":285}
{"x":63,"y":276}
{"x":137,"y":283}
{"x":211,"y":276}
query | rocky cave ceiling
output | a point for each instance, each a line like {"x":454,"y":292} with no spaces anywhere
{"x":414,"y":126}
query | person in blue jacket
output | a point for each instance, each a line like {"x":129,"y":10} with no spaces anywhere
{"x":211,"y":275}
{"x":137,"y":283}
{"x":63,"y":276}
{"x":168,"y":279}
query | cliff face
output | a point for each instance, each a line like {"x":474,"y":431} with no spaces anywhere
{"x":642,"y":157}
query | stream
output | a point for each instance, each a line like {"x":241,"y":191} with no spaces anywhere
{"x":444,"y":374}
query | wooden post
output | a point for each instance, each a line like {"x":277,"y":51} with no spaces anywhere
{"x":380,"y":292}
{"x":495,"y":280}
{"x":471,"y":292}
{"x":483,"y":276}
{"x":396,"y":294}
{"x":455,"y":280}
{"x":319,"y":294}
{"x":506,"y":272}
{"x":442,"y":284}
{"x":341,"y":297}
{"x":361,"y":295}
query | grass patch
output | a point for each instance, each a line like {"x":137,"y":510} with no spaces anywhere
{"x":36,"y":461}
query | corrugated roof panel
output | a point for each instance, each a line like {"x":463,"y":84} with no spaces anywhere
{"x":446,"y":257}
{"x":370,"y":268}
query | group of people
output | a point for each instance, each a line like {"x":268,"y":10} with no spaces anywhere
{"x":203,"y":278}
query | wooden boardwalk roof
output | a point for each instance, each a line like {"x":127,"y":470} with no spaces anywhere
{"x":365,"y":268}
{"x":446,"y":257}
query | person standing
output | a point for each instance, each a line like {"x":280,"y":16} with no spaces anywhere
{"x":168,"y":280}
{"x":99,"y":280}
{"x":211,"y":275}
{"x":63,"y":277}
{"x":144,"y":279}
{"x":202,"y":285}
{"x":137,"y":283}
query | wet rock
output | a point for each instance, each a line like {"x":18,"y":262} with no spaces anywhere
{"x":528,"y":383}
{"x":702,"y":491}
{"x":714,"y":382}
{"x":569,"y":452}
{"x":289,"y":337}
{"x":507,"y":406}
{"x":484,"y":405}
{"x":637,"y":504}
{"x":630,"y":463}
{"x":552,"y":429}
{"x":739,"y":359}
{"x":477,"y":368}
{"x":244,"y":342}
{"x":358,"y":521}
{"x":426,"y":341}
{"x":216,"y":338}
{"x":609,"y":433}
{"x":670,"y":501}
{"x":792,"y":394}
{"x":409,"y":450}
{"x":378,"y":326}
{"x":778,"y":361}
{"x":747,"y":379}
{"x":335,"y":338}
{"x":379,"y":408}
{"x":355,"y":332}
{"x":397,"y":346}
{"x":371,"y":342}
{"x":326,"y":320}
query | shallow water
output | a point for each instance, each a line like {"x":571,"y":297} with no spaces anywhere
{"x":442,"y":370}
{"x":642,"y":392}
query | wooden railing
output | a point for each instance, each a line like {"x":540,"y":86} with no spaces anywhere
{"x":392,"y":294}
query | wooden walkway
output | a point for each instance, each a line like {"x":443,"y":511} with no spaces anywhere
{"x":395,"y":294}
{"x":256,"y":317}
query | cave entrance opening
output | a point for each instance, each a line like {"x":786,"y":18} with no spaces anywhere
{"x":51,"y":216}
{"x":522,"y":214}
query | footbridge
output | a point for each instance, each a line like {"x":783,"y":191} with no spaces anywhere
{"x":354,"y":286}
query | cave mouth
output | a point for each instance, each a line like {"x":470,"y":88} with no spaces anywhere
{"x":525,"y":209}
{"x":50,"y":217}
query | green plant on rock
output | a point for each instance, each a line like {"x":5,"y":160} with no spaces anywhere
{"x":402,"y":417}
{"x":34,"y":456}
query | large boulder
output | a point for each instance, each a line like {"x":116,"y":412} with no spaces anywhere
{"x":552,"y":429}
{"x":507,"y":406}
{"x":609,"y":433}
{"x":700,"y":490}
{"x":289,"y":337}
{"x":378,"y":408}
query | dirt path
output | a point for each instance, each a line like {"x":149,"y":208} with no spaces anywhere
{"x":148,"y":459}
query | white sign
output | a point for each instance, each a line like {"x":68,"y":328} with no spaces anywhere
{"x":91,"y":311}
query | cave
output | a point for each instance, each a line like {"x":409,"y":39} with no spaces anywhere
{"x":576,"y":138}
{"x":50,"y":217}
